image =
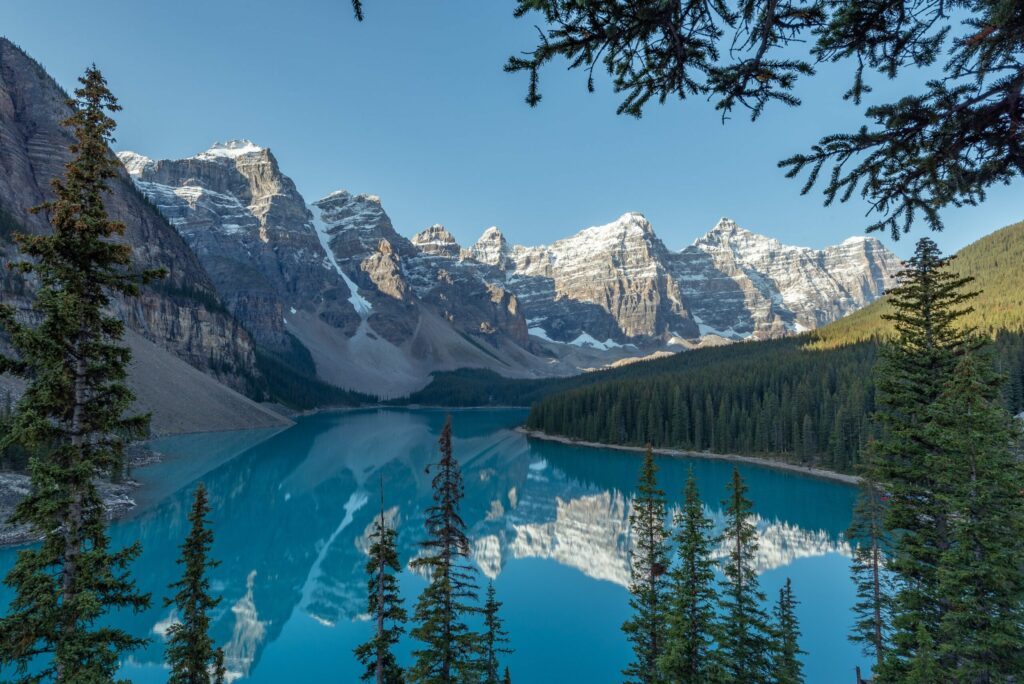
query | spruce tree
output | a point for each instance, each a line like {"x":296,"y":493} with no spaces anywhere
{"x":384,"y":605}
{"x":495,"y":639}
{"x":744,"y":641}
{"x":927,"y":307}
{"x":449,"y":651}
{"x":980,"y":577}
{"x":74,"y":413}
{"x":924,"y":668}
{"x":190,"y":652}
{"x":691,"y":613}
{"x":508,"y":677}
{"x":649,"y":580}
{"x":873,"y":610}
{"x":786,"y":667}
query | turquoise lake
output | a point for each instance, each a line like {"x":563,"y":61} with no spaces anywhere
{"x":549,"y":524}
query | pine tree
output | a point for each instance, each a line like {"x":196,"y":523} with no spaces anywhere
{"x":981,"y":635}
{"x":924,"y":667}
{"x":495,"y":639}
{"x":74,"y":413}
{"x":450,"y":648}
{"x":744,"y":632}
{"x":927,"y":306}
{"x":508,"y":677}
{"x":786,"y":667}
{"x":871,"y":540}
{"x":691,"y":613}
{"x":384,"y":605}
{"x":648,"y":572}
{"x":190,"y":652}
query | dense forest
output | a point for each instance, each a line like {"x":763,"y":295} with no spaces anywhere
{"x":806,"y":399}
{"x":777,"y":398}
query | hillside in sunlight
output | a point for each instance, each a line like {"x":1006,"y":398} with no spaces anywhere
{"x":995,"y":262}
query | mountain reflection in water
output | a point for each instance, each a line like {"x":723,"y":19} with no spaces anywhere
{"x":292,"y":511}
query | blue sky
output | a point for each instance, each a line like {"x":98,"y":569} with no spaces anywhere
{"x":413,"y":105}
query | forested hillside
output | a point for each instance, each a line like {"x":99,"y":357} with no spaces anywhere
{"x":994,"y":262}
{"x":805,"y":399}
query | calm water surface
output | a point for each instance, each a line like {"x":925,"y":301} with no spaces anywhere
{"x":549,"y":524}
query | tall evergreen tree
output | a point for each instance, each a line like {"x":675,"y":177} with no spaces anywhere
{"x":691,"y":613}
{"x":871,"y":540}
{"x":927,"y":307}
{"x":384,"y":605}
{"x":980,"y":575}
{"x":450,"y":648}
{"x":924,"y":668}
{"x":190,"y":651}
{"x":508,"y":676}
{"x":745,"y":641}
{"x":495,"y":639}
{"x":74,"y":413}
{"x":786,"y":667}
{"x":649,"y":579}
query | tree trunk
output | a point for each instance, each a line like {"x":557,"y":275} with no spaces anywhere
{"x":380,"y":610}
{"x":73,"y":523}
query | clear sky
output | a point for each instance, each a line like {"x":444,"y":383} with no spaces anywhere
{"x":412,"y":105}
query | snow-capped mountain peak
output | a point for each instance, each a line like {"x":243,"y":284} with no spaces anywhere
{"x":230,"y":149}
{"x":728,"y":234}
{"x":134,"y":163}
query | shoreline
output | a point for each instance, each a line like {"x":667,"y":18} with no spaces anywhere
{"x":809,"y":471}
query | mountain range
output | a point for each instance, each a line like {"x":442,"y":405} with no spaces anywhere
{"x":266,"y":283}
{"x":379,"y":312}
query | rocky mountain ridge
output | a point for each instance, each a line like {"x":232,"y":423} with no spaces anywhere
{"x":380,"y":312}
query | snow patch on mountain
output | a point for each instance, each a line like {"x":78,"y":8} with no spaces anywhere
{"x":585,"y":340}
{"x":231,"y":149}
{"x":358,"y":302}
{"x":134,"y":163}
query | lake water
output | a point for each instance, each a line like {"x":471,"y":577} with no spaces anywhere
{"x":549,"y":524}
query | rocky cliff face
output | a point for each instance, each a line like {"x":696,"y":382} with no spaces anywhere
{"x":609,"y":283}
{"x":747,"y":285}
{"x":376,"y":312}
{"x":252,"y":231}
{"x":181,"y":313}
{"x":617,"y":284}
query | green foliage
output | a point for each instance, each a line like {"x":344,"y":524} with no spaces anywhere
{"x":74,"y":413}
{"x":980,"y":480}
{"x":14,"y":456}
{"x":929,"y":342}
{"x":945,"y":144}
{"x":872,"y":544}
{"x":745,"y":635}
{"x":770,"y":398}
{"x":993,"y":263}
{"x":384,"y":605}
{"x":786,"y":667}
{"x":674,"y":49}
{"x":648,"y":587}
{"x":690,"y":630}
{"x":9,"y":226}
{"x":450,"y":649}
{"x":190,"y":652}
{"x":494,"y":639}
